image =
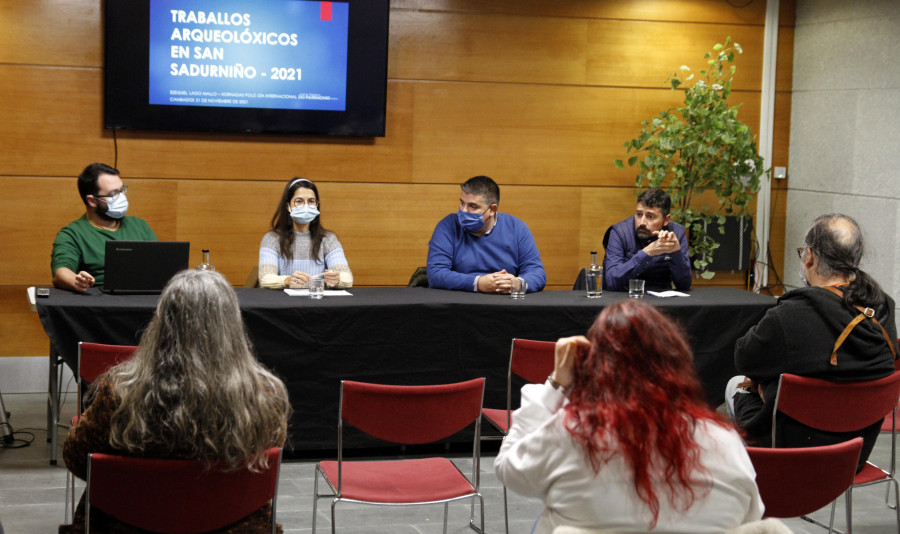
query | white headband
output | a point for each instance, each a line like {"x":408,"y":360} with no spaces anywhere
{"x":298,"y":180}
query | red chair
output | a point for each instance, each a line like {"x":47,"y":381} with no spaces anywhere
{"x":406,"y":415}
{"x":842,"y":407}
{"x":797,"y":482}
{"x":533,"y":361}
{"x":888,"y":424}
{"x":177,"y":496}
{"x":94,"y":359}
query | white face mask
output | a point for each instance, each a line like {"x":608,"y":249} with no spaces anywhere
{"x":304,"y":214}
{"x":117,"y":206}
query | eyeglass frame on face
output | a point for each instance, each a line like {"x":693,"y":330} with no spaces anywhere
{"x":311,"y":202}
{"x":113,"y":194}
{"x":801,"y":250}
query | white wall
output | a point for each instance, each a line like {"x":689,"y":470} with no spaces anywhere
{"x":845,"y":128}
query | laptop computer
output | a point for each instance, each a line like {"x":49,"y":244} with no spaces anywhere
{"x":143,"y":267}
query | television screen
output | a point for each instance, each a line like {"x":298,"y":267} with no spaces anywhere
{"x":268,"y":66}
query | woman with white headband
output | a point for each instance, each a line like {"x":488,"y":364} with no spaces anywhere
{"x":299,"y":247}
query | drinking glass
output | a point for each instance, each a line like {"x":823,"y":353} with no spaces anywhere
{"x":316,"y":288}
{"x":636,"y":289}
{"x":519,"y":287}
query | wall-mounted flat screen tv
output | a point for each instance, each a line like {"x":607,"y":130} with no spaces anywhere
{"x":266,"y":66}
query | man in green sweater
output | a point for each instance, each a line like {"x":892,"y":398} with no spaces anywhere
{"x":79,"y":250}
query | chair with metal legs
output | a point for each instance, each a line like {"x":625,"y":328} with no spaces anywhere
{"x":94,"y":359}
{"x":888,"y":426}
{"x":54,"y":394}
{"x":532,"y":361}
{"x":405,"y":415}
{"x":797,"y":482}
{"x":840,"y":407}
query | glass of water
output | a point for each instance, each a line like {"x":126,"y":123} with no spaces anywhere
{"x":519,"y":287}
{"x":316,"y":288}
{"x":636,"y":289}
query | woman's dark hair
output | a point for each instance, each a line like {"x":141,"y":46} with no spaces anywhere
{"x":838,"y":242}
{"x":283,"y":225}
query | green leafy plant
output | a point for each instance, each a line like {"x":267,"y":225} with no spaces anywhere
{"x":700,"y":146}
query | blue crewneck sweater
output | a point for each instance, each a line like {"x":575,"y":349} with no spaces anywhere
{"x":456,"y":257}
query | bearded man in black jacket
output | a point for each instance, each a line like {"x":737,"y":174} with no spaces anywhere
{"x":798,"y":335}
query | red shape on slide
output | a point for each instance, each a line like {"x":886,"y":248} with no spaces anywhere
{"x":325,"y":11}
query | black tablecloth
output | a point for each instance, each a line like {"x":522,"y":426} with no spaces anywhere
{"x":404,"y":336}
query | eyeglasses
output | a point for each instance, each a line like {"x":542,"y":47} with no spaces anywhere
{"x":113,"y":193}
{"x":297,"y":202}
{"x":800,"y":251}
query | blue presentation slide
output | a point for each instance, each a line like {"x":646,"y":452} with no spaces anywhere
{"x":275,"y":54}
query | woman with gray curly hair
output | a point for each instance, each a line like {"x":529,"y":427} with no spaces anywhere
{"x":193,"y":389}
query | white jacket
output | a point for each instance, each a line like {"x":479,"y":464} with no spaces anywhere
{"x":539,"y":458}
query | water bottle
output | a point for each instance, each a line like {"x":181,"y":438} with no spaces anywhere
{"x":593,"y":277}
{"x":205,"y":266}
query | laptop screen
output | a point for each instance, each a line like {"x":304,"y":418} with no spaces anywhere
{"x":143,"y":266}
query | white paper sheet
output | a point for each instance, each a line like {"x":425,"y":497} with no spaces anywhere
{"x":667,"y":294}
{"x":328,"y":292}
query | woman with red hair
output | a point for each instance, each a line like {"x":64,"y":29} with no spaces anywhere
{"x":620,"y":437}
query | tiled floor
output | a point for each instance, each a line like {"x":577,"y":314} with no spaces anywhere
{"x":32,"y":494}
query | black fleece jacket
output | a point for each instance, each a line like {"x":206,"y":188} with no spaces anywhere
{"x":797,"y":336}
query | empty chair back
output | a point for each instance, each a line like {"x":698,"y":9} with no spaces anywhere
{"x":532,"y":360}
{"x":529,"y":359}
{"x":796,"y":482}
{"x":411,"y":415}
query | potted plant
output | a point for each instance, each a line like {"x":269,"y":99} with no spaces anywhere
{"x":698,"y":147}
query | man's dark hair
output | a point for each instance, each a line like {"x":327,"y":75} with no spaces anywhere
{"x":87,"y":180}
{"x":656,"y":198}
{"x":838,"y":242}
{"x":484,"y":187}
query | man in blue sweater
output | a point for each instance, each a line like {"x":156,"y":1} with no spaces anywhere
{"x":648,"y":246}
{"x":479,"y":249}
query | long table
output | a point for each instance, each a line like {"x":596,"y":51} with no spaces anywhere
{"x":403,"y":336}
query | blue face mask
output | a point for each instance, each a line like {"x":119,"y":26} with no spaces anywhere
{"x":304,"y":214}
{"x":117,"y":206}
{"x":470,"y":222}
